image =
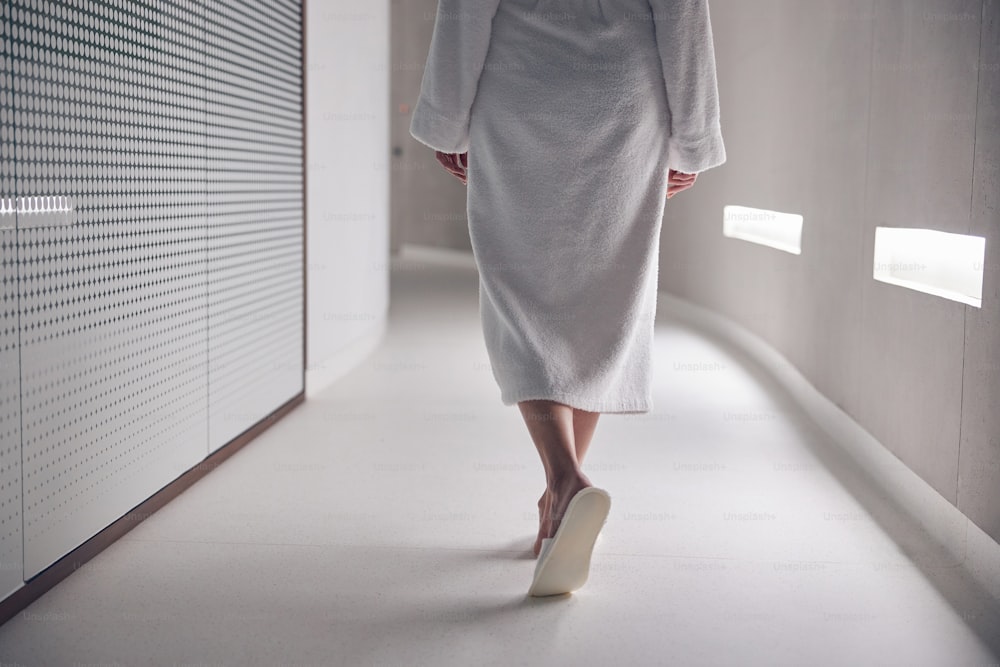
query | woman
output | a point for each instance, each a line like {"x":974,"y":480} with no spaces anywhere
{"x":567,"y":120}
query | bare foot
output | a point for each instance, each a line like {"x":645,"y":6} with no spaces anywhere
{"x":553,"y":504}
{"x":544,"y":507}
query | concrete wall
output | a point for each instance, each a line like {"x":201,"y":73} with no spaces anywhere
{"x":857,"y":114}
{"x":347,"y":103}
{"x":979,"y":463}
{"x":428,"y":203}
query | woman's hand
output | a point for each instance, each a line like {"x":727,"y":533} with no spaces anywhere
{"x":679,"y":182}
{"x":455,"y":163}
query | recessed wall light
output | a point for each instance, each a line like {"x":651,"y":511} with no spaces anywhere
{"x":782,"y":231}
{"x":940,"y":263}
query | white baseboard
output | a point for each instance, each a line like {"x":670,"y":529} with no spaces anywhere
{"x":322,"y":374}
{"x":967,"y":543}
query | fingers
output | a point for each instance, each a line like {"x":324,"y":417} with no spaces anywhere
{"x":452,"y":163}
{"x":676,"y":189}
{"x":678,"y":178}
{"x":449,"y":163}
{"x":673,"y":189}
{"x":447,"y":160}
{"x":679,"y":182}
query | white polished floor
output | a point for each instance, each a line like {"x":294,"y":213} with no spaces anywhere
{"x":389,"y":520}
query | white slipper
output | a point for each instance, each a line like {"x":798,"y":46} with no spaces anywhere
{"x":546,"y":541}
{"x":564,"y":560}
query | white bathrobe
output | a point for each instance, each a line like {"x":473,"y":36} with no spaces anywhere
{"x":572,"y":112}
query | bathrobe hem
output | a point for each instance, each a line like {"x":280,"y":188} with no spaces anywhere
{"x":588,"y":405}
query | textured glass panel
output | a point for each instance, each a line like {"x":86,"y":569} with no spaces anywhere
{"x":255,"y":211}
{"x":11,"y":569}
{"x":110,"y":114}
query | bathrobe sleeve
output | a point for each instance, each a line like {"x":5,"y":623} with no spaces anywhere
{"x":455,"y":61}
{"x":687,"y":52}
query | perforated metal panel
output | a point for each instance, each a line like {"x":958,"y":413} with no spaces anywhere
{"x":10,"y":389}
{"x":255,"y":209}
{"x":110,"y":113}
{"x":152,"y":289}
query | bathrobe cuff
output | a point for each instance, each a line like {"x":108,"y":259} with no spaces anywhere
{"x":448,"y":134}
{"x":455,"y":61}
{"x":683,"y":30}
{"x":693,"y":157}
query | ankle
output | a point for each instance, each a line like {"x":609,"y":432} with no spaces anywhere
{"x":569,"y":481}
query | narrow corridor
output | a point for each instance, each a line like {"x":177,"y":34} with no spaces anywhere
{"x":389,"y":521}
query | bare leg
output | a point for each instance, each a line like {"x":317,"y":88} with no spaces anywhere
{"x":584,"y":424}
{"x":553,"y":431}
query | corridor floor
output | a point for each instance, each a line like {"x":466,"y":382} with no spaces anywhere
{"x":389,"y":520}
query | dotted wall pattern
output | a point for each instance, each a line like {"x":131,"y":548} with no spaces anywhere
{"x":11,"y":540}
{"x":255,"y":210}
{"x":151,"y":280}
{"x":110,"y":112}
